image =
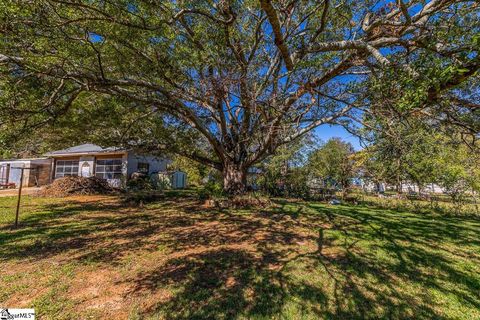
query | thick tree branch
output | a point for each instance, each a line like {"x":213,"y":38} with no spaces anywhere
{"x":277,"y":31}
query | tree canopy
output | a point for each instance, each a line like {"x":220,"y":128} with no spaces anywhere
{"x":232,"y":81}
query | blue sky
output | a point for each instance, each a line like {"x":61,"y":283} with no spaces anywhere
{"x":326,"y":132}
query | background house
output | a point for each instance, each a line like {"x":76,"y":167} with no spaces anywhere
{"x":115,"y":165}
{"x":112,"y":164}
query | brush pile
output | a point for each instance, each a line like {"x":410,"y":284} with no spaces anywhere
{"x":68,"y":186}
{"x":239,"y":202}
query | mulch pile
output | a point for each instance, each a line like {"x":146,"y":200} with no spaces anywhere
{"x":69,"y":186}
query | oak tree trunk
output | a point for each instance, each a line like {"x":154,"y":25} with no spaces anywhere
{"x":234,"y":179}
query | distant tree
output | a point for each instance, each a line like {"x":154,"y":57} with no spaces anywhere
{"x":368,"y":168}
{"x":284,"y":174}
{"x":406,"y":151}
{"x":411,"y":150}
{"x":334,"y":162}
{"x":458,"y":171}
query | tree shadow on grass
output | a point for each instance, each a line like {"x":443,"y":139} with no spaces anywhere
{"x":80,"y":228}
{"x":219,"y":284}
{"x":300,"y":262}
{"x":274,"y":278}
{"x":418,"y":250}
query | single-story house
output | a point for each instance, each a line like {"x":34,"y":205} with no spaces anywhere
{"x":115,"y":165}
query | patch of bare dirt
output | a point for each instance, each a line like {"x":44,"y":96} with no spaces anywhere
{"x":99,"y":289}
{"x":14,"y":192}
{"x":126,"y":257}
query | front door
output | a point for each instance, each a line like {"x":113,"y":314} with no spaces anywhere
{"x":4,"y":171}
{"x":86,"y":170}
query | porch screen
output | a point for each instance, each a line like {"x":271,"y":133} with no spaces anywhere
{"x":66,"y":168}
{"x":109,"y":169}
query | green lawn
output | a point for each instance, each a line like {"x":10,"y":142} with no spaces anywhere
{"x":98,"y":258}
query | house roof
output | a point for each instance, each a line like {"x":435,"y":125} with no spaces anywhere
{"x":22,"y":159}
{"x":87,"y":148}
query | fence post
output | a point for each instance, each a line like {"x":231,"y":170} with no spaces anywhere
{"x":19,"y":196}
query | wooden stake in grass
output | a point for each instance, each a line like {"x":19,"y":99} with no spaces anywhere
{"x":19,"y":197}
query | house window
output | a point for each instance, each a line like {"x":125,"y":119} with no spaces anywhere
{"x":65,"y":168}
{"x":109,"y":169}
{"x":143,"y":167}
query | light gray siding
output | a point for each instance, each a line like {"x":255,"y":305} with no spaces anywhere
{"x":156,"y":164}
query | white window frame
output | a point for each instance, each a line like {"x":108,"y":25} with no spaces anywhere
{"x":109,"y":169}
{"x":64,"y":168}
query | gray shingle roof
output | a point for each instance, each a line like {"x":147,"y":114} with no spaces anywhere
{"x":84,"y":148}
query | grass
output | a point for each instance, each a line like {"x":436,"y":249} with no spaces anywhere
{"x":446,"y":208}
{"x":98,"y":258}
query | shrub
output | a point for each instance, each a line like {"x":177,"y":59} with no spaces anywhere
{"x":161,"y":181}
{"x":140,"y":182}
{"x":212,"y":189}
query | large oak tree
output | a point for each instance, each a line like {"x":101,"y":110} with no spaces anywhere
{"x":245,"y":76}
